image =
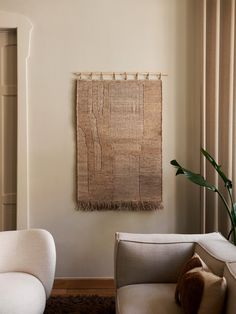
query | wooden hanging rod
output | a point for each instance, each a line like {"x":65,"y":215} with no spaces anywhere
{"x":125,"y":75}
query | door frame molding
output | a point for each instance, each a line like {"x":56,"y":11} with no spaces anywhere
{"x":23,"y":26}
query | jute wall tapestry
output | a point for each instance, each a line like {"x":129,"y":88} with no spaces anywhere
{"x":119,"y":144}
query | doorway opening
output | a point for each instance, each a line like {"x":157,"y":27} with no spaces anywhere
{"x":8,"y":129}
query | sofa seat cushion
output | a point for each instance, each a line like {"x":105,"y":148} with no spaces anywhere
{"x":21,"y":293}
{"x":147,"y":299}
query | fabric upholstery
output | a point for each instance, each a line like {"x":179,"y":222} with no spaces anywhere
{"x":149,"y":263}
{"x":215,"y":252}
{"x":230,"y":275}
{"x":136,"y":256}
{"x":145,"y":264}
{"x":164,"y":237}
{"x":21,"y":293}
{"x":29,"y":251}
{"x":147,"y":299}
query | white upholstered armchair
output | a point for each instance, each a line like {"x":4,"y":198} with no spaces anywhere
{"x":27,"y":268}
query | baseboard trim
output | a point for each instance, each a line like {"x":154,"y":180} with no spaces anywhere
{"x":83,"y":283}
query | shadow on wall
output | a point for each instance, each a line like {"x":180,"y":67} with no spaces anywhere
{"x":188,"y":63}
{"x":73,"y":122}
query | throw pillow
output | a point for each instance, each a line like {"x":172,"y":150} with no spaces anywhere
{"x":193,"y":262}
{"x":202,"y":292}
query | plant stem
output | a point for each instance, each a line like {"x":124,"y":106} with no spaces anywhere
{"x":230,"y":216}
{"x":233,"y":230}
{"x":228,"y":237}
{"x":226,"y":205}
{"x":230,"y":196}
{"x":232,"y":203}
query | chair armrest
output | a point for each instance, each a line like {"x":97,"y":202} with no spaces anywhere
{"x":152,"y":258}
{"x":29,"y":251}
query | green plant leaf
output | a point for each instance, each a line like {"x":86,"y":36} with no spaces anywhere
{"x":227,"y":181}
{"x":193,"y":177}
{"x":233,"y":213}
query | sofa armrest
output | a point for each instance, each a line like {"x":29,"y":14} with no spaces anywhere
{"x":216,"y":252}
{"x":152,"y":258}
{"x":29,"y":251}
{"x":230,"y":276}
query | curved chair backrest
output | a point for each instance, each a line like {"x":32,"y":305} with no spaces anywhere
{"x":30,"y":251}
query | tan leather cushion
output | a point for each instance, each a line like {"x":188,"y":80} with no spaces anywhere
{"x":193,"y":262}
{"x":147,"y":299}
{"x":202,"y":292}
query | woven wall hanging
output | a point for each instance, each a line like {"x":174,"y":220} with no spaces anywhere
{"x":119,"y":144}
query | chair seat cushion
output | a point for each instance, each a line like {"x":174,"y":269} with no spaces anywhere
{"x":147,"y":299}
{"x":21,"y":293}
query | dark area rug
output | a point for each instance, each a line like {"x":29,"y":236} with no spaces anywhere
{"x":80,"y":305}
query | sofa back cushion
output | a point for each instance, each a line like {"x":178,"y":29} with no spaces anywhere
{"x":151,"y":263}
{"x":153,"y":258}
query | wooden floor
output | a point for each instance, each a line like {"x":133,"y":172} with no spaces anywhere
{"x":100,"y":287}
{"x":74,"y":292}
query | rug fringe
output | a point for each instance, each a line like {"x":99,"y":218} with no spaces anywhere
{"x":127,"y":206}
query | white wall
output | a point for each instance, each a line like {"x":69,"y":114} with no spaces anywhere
{"x":106,"y":35}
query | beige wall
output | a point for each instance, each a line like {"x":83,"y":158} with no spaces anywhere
{"x":106,"y":35}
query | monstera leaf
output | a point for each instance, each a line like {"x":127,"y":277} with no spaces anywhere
{"x":193,"y":177}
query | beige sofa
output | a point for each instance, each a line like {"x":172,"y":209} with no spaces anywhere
{"x":147,"y":267}
{"x":27,"y":268}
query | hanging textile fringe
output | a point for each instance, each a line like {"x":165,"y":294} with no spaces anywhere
{"x":121,"y":205}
